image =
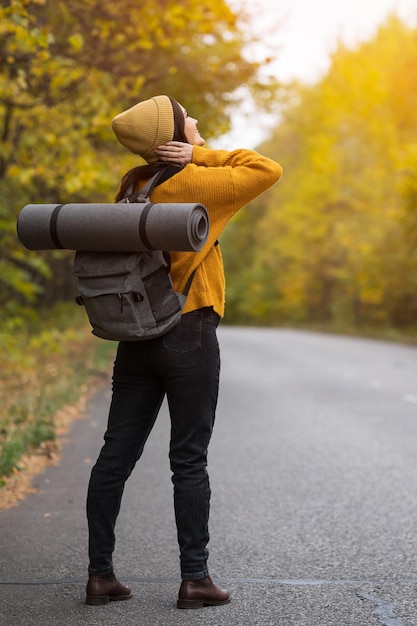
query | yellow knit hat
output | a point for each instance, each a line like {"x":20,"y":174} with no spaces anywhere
{"x":145,"y":126}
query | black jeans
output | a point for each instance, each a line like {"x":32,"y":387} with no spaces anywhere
{"x":184,"y":364}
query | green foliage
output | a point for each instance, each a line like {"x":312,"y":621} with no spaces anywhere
{"x":44,"y":366}
{"x":336,"y":240}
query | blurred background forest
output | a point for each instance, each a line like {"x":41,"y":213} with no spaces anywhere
{"x":335,"y":243}
{"x":332,"y":246}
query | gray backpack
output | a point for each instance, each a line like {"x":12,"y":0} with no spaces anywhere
{"x":128,"y":296}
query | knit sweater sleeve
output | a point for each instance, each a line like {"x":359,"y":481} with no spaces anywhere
{"x":243,"y":173}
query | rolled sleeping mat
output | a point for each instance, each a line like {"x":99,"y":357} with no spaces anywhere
{"x":121,"y":227}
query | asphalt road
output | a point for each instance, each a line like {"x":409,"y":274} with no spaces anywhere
{"x":313,"y":467}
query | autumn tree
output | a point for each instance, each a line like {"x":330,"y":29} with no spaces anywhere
{"x":336,"y":241}
{"x":66,"y":68}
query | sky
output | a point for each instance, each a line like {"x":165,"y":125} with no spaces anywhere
{"x":305,"y":33}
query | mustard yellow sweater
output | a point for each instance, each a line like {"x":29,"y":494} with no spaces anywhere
{"x":223,"y":182}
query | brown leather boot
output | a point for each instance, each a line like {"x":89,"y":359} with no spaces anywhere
{"x":102,"y":589}
{"x":194,"y":594}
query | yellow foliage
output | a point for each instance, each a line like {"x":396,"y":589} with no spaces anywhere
{"x":338,"y":236}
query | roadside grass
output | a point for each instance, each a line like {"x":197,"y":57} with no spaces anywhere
{"x":44,"y":368}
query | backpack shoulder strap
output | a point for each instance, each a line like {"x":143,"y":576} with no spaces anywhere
{"x":167,"y":258}
{"x":157,"y":179}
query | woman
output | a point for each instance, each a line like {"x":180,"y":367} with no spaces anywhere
{"x":184,"y":364}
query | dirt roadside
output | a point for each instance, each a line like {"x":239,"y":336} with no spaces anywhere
{"x":20,"y":483}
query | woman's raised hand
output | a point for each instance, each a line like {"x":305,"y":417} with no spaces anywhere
{"x":175,"y":152}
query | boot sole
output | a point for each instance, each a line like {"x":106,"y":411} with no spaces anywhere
{"x":101,"y":600}
{"x":199,"y":604}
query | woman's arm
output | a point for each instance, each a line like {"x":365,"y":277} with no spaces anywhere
{"x":238,"y":176}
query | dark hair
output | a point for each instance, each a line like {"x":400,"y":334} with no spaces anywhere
{"x":179,"y":126}
{"x":142,"y":172}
